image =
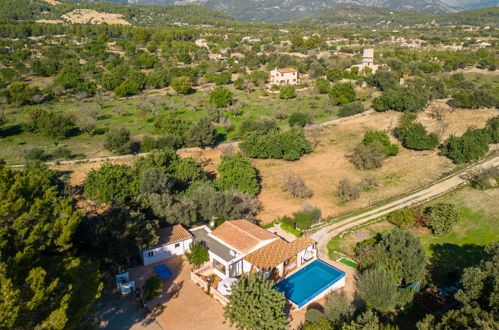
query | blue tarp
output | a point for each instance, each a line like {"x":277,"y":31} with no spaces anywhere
{"x":163,"y":271}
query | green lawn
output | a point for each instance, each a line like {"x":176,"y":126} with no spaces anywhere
{"x":449,"y":253}
{"x":14,"y":141}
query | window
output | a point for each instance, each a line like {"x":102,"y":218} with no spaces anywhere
{"x":150,"y":253}
{"x":177,"y":245}
{"x":219,"y":266}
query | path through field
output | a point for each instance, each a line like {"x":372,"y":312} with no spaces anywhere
{"x":323,"y":235}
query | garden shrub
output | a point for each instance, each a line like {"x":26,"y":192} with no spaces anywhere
{"x":313,"y":315}
{"x":401,"y":218}
{"x":373,"y":136}
{"x":303,"y":220}
{"x":287,"y":92}
{"x":118,"y":141}
{"x":299,"y":119}
{"x":441,"y":217}
{"x":153,"y":287}
{"x":351,"y":109}
{"x":288,"y":221}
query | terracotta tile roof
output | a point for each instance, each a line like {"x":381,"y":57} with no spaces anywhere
{"x":286,"y":70}
{"x":173,"y":234}
{"x":242,"y":235}
{"x":277,"y":252}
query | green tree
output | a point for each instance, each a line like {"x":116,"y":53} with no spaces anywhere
{"x":182,"y":85}
{"x":287,"y":92}
{"x":198,"y":254}
{"x":441,"y":217}
{"x":127,"y":88}
{"x":236,"y":172}
{"x":299,"y":119}
{"x":366,"y":321}
{"x":322,"y":86}
{"x":276,"y":144}
{"x":417,"y":138}
{"x":342,"y":93}
{"x":43,"y":283}
{"x":111,"y":182}
{"x":255,"y":304}
{"x":20,"y":93}
{"x":118,"y":141}
{"x":338,"y":309}
{"x":471,"y":145}
{"x":221,"y":96}
{"x":378,"y":290}
{"x":117,"y":236}
{"x":376,"y":136}
{"x":201,"y":134}
{"x":477,"y":297}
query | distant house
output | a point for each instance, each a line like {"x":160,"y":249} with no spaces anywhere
{"x":367,"y":61}
{"x":217,"y":57}
{"x":173,"y":241}
{"x":201,"y":43}
{"x":286,"y":76}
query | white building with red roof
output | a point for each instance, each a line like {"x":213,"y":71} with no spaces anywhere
{"x":286,"y":76}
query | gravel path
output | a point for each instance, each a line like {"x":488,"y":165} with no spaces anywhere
{"x":323,"y":235}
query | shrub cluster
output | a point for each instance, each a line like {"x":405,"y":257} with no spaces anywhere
{"x":401,"y":99}
{"x":414,"y":135}
{"x":441,"y":217}
{"x":473,"y":144}
{"x":276,"y":144}
{"x":351,"y":109}
{"x":296,"y":187}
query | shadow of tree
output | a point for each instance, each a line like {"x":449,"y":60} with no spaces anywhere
{"x":449,"y":260}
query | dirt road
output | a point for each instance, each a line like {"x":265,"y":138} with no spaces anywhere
{"x":323,"y":235}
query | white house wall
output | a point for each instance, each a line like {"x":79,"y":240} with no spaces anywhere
{"x":166,"y":251}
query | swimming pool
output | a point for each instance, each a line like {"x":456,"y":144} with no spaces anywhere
{"x":310,"y":282}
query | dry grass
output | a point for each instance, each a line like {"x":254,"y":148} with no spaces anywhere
{"x":85,"y":16}
{"x":52,"y":2}
{"x":323,"y":169}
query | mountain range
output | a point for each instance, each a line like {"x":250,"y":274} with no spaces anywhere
{"x":290,"y":10}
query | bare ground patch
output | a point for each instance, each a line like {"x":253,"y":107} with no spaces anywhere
{"x":85,"y":16}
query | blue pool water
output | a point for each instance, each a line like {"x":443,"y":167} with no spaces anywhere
{"x":310,"y":281}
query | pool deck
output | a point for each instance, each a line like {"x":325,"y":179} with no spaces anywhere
{"x":323,"y":291}
{"x":297,"y":316}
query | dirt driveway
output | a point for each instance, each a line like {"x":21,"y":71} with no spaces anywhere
{"x":192,"y":309}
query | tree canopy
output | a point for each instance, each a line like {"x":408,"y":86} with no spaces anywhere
{"x":255,"y":304}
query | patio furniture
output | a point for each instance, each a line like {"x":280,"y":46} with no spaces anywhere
{"x":124,"y":284}
{"x":224,"y":286}
{"x":163,"y":271}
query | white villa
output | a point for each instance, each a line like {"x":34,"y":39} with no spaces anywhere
{"x":367,"y":61}
{"x":286,"y":76}
{"x":234,"y":248}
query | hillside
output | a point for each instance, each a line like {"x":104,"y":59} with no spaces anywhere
{"x":135,"y":15}
{"x":472,"y":4}
{"x":368,"y":16}
{"x":289,"y":10}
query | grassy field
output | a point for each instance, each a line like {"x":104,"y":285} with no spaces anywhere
{"x":14,"y":141}
{"x":449,"y":253}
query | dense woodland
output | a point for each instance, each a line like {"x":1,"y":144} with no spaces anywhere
{"x":152,"y":87}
